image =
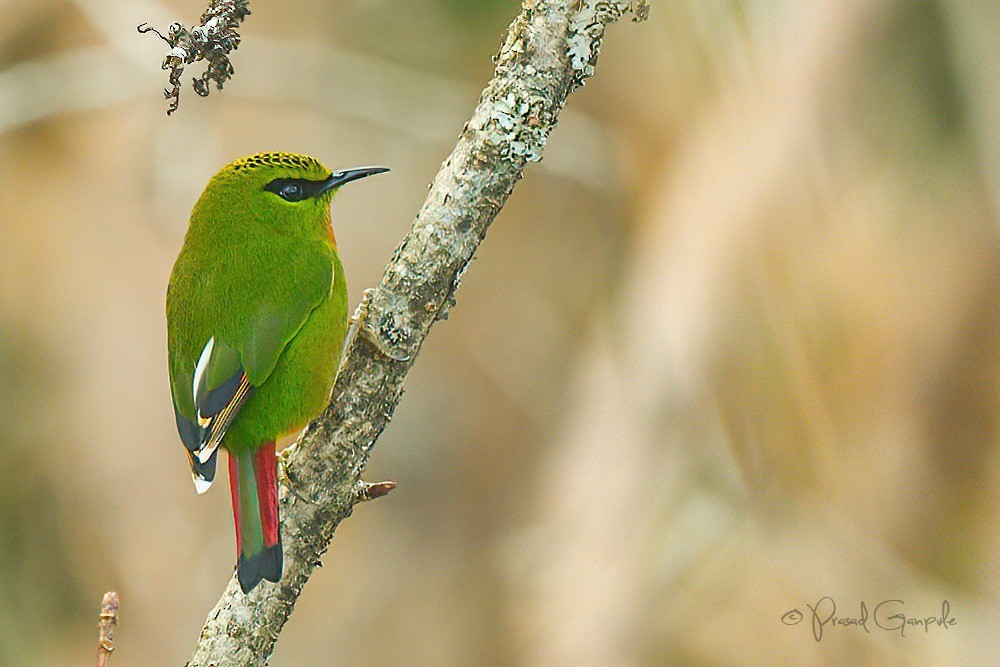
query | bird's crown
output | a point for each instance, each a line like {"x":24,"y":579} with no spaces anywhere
{"x":277,"y":159}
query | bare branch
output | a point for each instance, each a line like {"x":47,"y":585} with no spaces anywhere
{"x":109,"y":618}
{"x":550,"y":50}
{"x":213,"y":40}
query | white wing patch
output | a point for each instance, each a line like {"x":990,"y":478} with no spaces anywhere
{"x":199,"y":374}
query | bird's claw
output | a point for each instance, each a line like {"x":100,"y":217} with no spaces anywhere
{"x":282,"y":458}
{"x":283,"y":475}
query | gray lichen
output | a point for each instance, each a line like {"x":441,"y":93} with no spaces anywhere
{"x":213,"y":40}
{"x":514,"y":126}
{"x":520,"y":117}
{"x":586,"y":31}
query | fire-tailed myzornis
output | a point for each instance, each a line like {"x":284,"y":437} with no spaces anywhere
{"x":256,"y":319}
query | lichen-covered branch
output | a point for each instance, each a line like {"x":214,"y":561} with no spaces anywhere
{"x":550,"y":50}
{"x":213,"y":40}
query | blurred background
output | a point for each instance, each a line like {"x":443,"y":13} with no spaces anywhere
{"x":730,"y":348}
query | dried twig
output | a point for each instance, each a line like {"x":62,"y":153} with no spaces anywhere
{"x":109,"y":618}
{"x":373,"y":490}
{"x":550,"y":50}
{"x":213,"y":40}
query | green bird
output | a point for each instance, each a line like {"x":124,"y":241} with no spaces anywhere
{"x":256,"y":320}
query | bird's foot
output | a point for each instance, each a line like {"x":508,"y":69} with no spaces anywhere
{"x":359,"y":325}
{"x":285,"y":477}
{"x":282,"y":458}
{"x":371,"y":490}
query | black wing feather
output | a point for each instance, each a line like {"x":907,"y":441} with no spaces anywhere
{"x":217,"y":399}
{"x":191,"y":433}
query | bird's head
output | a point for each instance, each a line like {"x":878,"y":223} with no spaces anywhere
{"x":287,"y":192}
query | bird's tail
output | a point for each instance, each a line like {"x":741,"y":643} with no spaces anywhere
{"x":254,"y":486}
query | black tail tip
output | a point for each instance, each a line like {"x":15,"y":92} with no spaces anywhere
{"x":265,"y":564}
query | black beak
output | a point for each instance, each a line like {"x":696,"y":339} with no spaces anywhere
{"x":338,"y":178}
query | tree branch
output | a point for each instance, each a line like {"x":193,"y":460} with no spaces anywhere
{"x":550,"y":50}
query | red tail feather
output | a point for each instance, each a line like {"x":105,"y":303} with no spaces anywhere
{"x":234,"y":492}
{"x":265,"y":470}
{"x":253,"y":482}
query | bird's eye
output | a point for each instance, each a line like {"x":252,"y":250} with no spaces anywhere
{"x":291,"y":192}
{"x":293,"y":189}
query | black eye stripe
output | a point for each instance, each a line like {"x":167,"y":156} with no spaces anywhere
{"x":294,"y":189}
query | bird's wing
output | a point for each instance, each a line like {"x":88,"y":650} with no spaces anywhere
{"x":236,"y":357}
{"x":219,"y":388}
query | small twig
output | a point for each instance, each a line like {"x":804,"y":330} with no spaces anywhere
{"x":373,"y":490}
{"x":213,"y":40}
{"x":109,"y":618}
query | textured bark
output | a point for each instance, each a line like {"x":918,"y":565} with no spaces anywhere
{"x":550,"y":50}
